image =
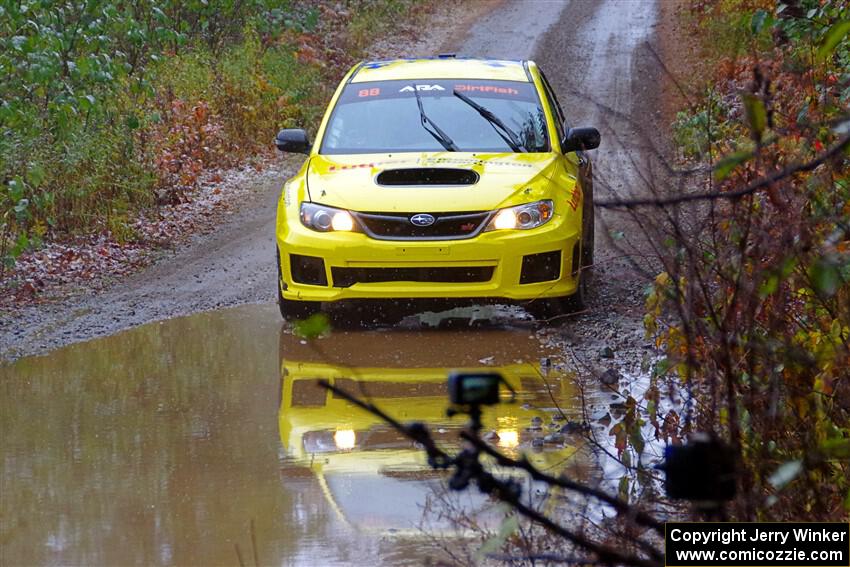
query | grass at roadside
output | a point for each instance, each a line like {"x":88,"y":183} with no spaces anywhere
{"x":108,"y":109}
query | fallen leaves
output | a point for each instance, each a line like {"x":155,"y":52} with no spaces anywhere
{"x":91,"y":262}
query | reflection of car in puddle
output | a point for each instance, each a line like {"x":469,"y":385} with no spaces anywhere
{"x":373,"y":477}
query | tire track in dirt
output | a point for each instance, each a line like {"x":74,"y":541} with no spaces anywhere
{"x":601,"y":59}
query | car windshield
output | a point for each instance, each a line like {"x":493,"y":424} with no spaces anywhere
{"x":383,"y":116}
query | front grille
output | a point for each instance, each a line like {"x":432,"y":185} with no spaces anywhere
{"x":347,"y":277}
{"x":447,"y":226}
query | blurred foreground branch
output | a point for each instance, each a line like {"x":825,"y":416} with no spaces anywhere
{"x":765,"y":182}
{"x":468,"y":467}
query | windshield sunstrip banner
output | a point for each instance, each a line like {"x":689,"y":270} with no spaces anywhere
{"x":357,"y":92}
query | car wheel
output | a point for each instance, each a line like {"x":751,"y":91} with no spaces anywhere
{"x":549,"y":310}
{"x":586,"y":271}
{"x":587,"y":247}
{"x":577,"y":301}
{"x":588,"y":239}
{"x":289,"y":309}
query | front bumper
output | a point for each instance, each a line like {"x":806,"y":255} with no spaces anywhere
{"x":348,"y":265}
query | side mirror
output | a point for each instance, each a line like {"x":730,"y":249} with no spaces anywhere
{"x":581,"y":139}
{"x":292,"y":140}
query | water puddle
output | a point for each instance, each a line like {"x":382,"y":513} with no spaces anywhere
{"x":180,"y":441}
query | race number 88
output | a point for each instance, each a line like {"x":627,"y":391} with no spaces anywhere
{"x":375,"y":91}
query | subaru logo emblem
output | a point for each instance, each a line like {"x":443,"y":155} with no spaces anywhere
{"x":422,"y":219}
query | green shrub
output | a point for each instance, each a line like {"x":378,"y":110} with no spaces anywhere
{"x":701,"y":129}
{"x":108,"y":107}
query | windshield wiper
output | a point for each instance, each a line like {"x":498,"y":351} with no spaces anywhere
{"x":508,"y":135}
{"x":438,"y":134}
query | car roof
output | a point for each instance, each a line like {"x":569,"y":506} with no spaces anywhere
{"x":441,"y":67}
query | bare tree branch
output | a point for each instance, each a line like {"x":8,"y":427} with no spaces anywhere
{"x":762,"y":183}
{"x":504,"y":490}
{"x":621,"y":506}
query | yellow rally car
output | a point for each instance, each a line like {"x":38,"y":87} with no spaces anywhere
{"x":350,"y":453}
{"x":438,"y":178}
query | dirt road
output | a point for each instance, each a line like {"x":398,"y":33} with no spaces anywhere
{"x":594,"y":52}
{"x":201,"y":414}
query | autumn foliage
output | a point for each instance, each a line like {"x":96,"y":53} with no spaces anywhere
{"x":109,"y":109}
{"x":753,"y":304}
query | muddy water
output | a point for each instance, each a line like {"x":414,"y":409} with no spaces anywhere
{"x":165,"y":443}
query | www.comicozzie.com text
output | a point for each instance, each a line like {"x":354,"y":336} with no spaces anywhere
{"x":758,"y":534}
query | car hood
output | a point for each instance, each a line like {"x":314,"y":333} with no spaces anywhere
{"x":354,"y":182}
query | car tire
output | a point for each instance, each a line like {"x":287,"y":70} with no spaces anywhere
{"x":588,"y":238}
{"x":289,"y":309}
{"x":577,"y":301}
{"x":548,"y":310}
{"x":587,"y":246}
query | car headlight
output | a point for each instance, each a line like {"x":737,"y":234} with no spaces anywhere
{"x":326,"y":219}
{"x":523,"y":217}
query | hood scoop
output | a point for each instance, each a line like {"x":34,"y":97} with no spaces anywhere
{"x":418,"y":176}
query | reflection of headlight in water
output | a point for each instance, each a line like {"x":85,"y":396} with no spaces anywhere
{"x":344,"y":439}
{"x":508,"y":438}
{"x":329,"y":441}
{"x":319,"y":442}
